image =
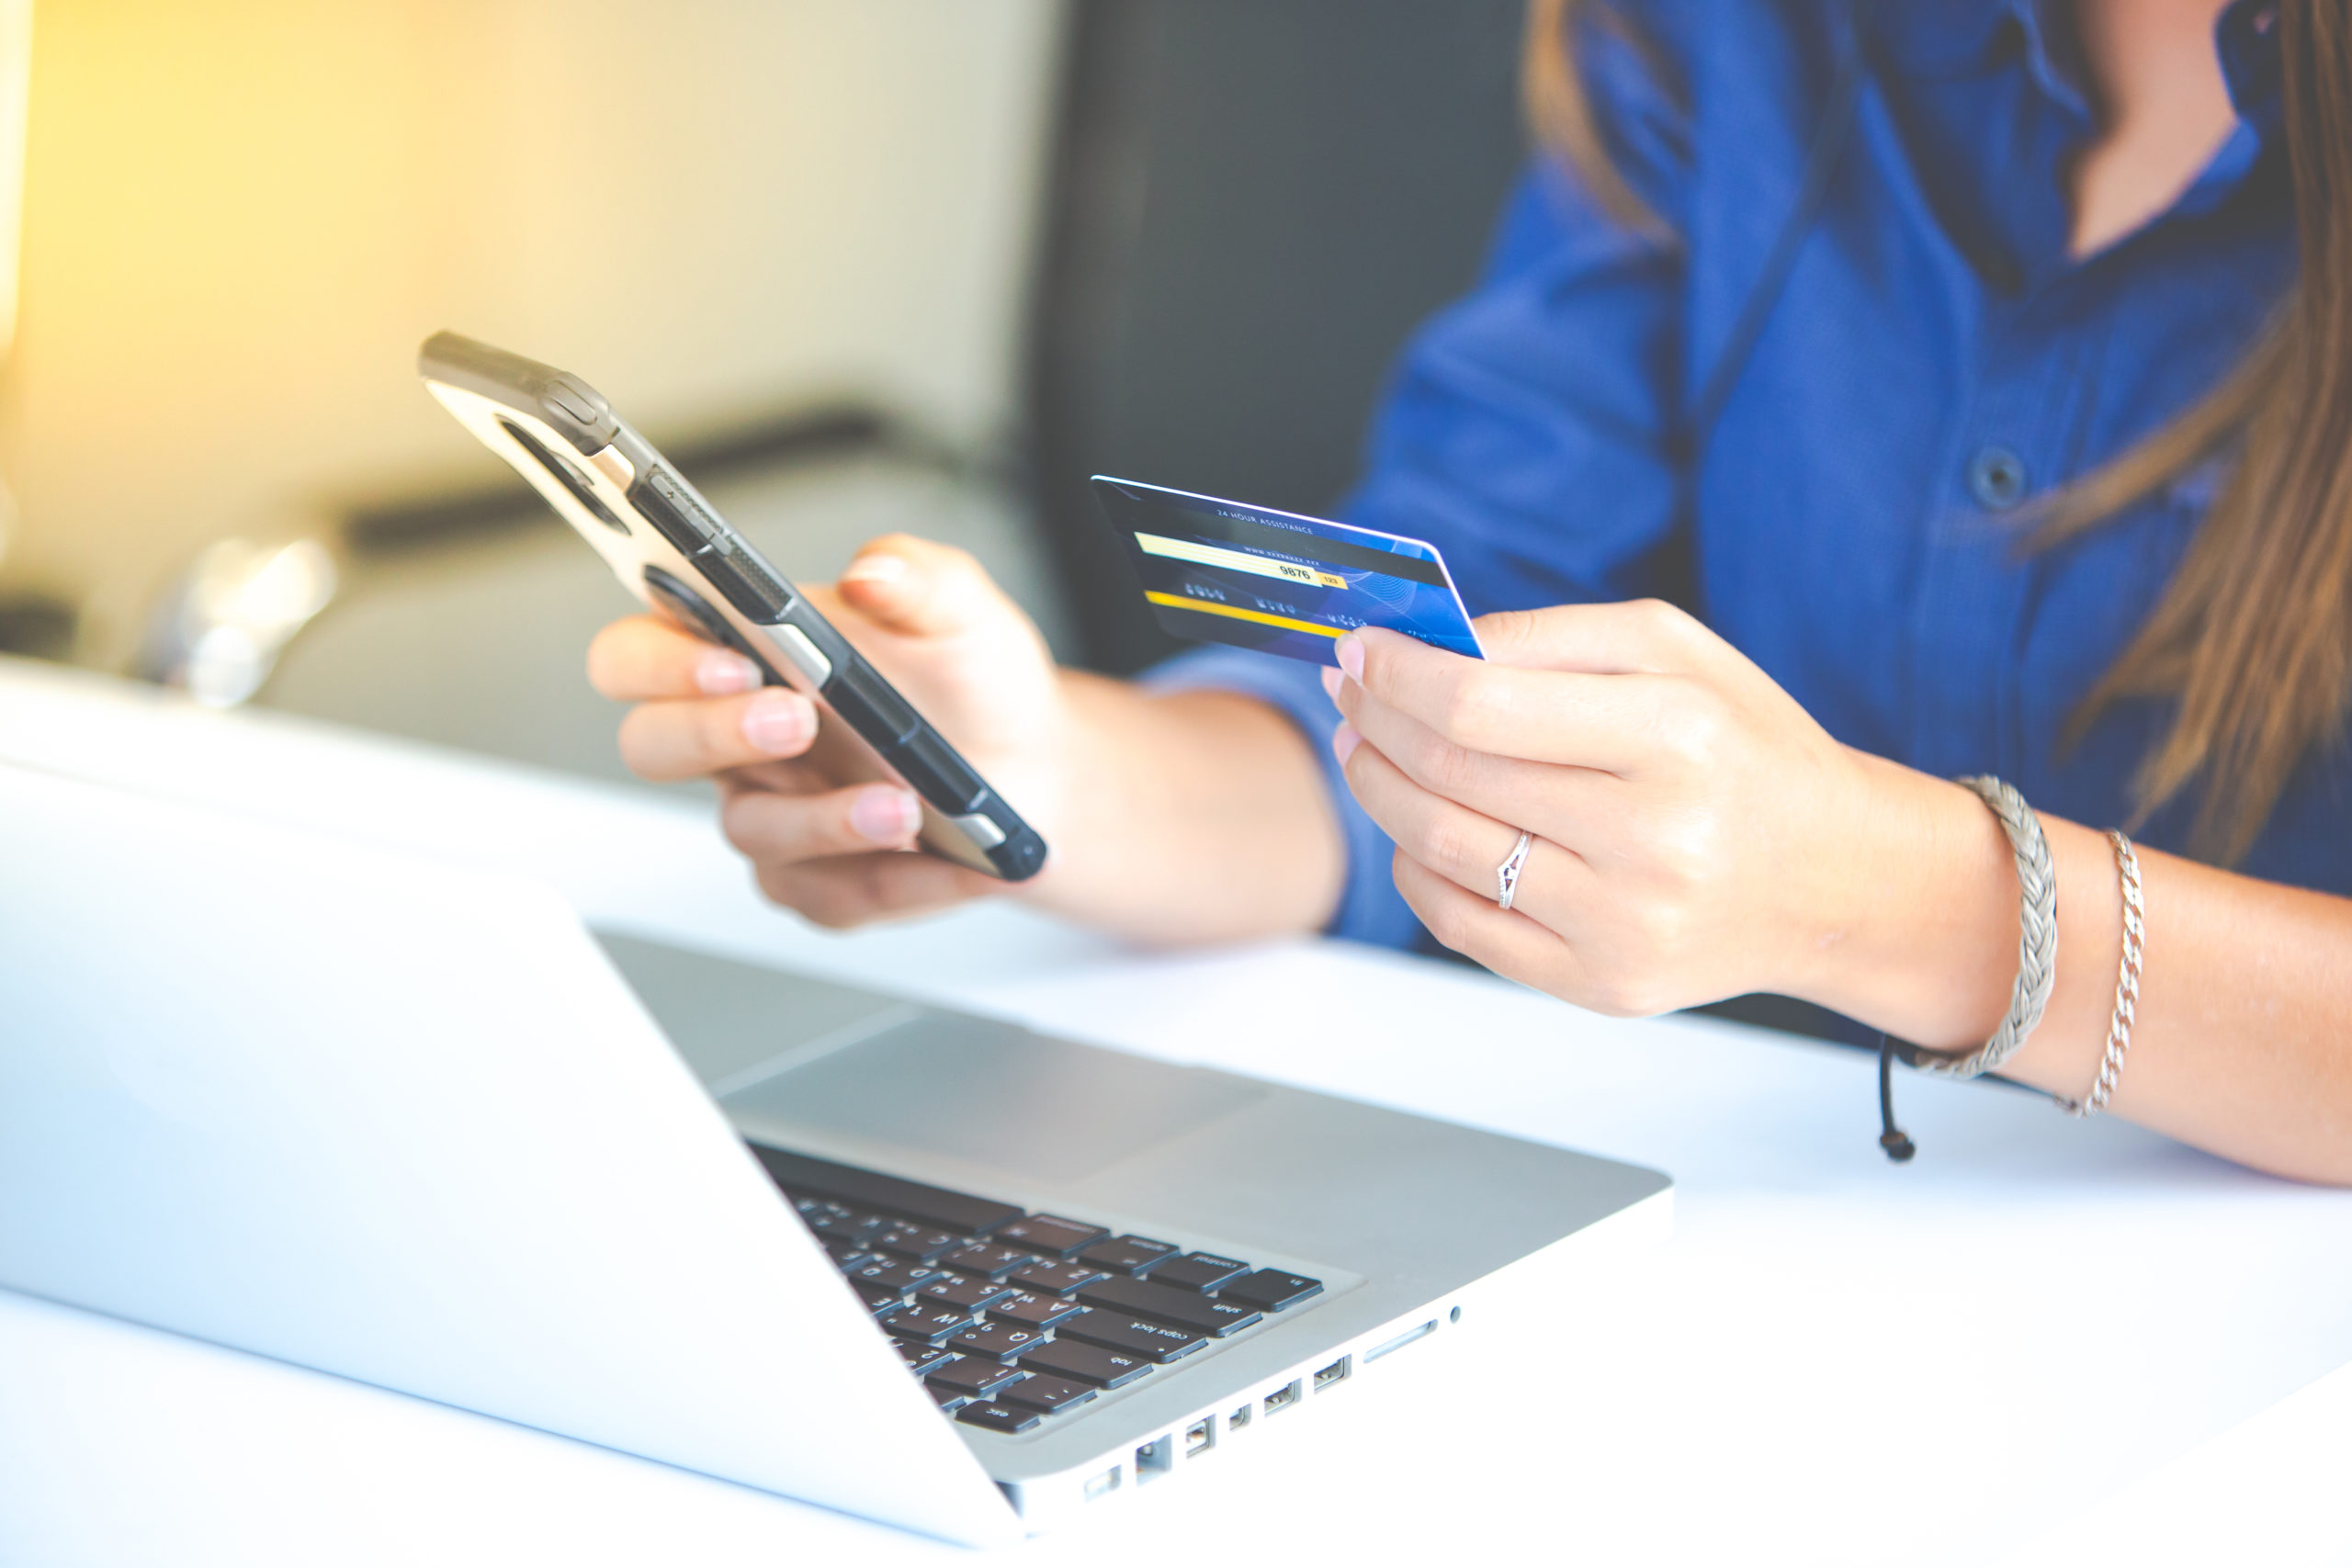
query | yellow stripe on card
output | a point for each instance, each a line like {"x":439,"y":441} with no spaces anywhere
{"x":1210,"y":555}
{"x":1235,"y":612}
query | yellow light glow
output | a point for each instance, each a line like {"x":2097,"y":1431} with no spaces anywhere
{"x":16,"y":96}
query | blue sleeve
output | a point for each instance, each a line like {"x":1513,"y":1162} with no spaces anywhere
{"x":1526,"y":431}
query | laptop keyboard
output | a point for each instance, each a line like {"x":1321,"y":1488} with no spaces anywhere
{"x":1009,"y":1317}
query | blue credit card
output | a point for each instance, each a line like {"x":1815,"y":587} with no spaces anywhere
{"x":1222,"y":572}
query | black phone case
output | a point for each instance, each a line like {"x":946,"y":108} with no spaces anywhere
{"x":670,"y":548}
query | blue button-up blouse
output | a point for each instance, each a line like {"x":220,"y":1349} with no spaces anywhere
{"x":1935,"y":358}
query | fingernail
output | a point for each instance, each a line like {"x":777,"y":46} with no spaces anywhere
{"x":884,"y":814}
{"x":779,"y":723}
{"x":1344,"y":741}
{"x":1349,"y":653}
{"x":879,"y":566}
{"x":719,"y":673}
{"x":1332,"y":679}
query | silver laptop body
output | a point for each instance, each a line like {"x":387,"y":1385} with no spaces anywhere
{"x":414,"y":1125}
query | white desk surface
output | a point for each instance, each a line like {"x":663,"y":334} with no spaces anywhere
{"x":2042,"y":1340}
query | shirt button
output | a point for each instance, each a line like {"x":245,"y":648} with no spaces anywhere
{"x":2000,"y":272}
{"x":1996,"y":478}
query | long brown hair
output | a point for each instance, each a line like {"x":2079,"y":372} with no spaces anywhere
{"x":2253,"y":634}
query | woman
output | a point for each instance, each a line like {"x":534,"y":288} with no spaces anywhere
{"x":1980,"y":371}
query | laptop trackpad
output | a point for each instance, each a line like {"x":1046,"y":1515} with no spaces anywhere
{"x":991,"y":1095}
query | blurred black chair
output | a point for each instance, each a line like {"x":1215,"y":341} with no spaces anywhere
{"x":1251,"y":204}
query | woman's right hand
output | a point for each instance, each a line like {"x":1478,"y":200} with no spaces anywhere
{"x":930,"y":620}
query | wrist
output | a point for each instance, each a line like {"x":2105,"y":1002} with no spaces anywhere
{"x":1920,"y":934}
{"x":1188,"y":817}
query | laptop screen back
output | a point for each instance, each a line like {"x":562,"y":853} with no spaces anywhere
{"x":404,"y":1124}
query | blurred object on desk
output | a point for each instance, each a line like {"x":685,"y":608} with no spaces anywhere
{"x":36,"y":624}
{"x":218,"y":631}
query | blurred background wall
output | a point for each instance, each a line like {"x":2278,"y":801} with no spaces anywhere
{"x":857,"y":265}
{"x":240,"y":216}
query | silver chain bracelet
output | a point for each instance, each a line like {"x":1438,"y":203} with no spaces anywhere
{"x":2037,"y":937}
{"x":2127,"y":984}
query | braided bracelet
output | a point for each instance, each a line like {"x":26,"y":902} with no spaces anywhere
{"x":2037,"y":937}
{"x":2127,"y":985}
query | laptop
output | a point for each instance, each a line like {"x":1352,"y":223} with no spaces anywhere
{"x":415,"y":1125}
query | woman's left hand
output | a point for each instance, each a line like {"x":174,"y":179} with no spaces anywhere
{"x":1696,"y":834}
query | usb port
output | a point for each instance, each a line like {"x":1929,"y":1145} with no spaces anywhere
{"x":1099,"y":1485}
{"x":1154,"y":1459}
{"x":1282,"y":1398}
{"x":1336,"y":1372}
{"x":1200,"y":1437}
{"x":1240,"y":1419}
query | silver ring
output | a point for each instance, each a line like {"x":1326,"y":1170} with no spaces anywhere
{"x":1507,"y":873}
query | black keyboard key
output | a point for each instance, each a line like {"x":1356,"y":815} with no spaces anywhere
{"x":922,"y":1359}
{"x":1166,"y":1304}
{"x":846,"y":1254}
{"x":846,"y":1224}
{"x":913,"y":1242}
{"x":1118,"y":1331}
{"x":998,"y":1340}
{"x":1198,"y":1271}
{"x":892,"y":1275}
{"x":973,"y":1375}
{"x":1129,"y":1255}
{"x":1041,"y":1392}
{"x":1053,"y":1279}
{"x":949,"y":1400}
{"x":993,"y":1418}
{"x":1271,"y":1289}
{"x":1036,"y":1310}
{"x":988,"y":1260}
{"x":878,"y":1298}
{"x":929,"y":1323}
{"x":1086,"y":1363}
{"x":935,"y":1206}
{"x":1044,"y":1233}
{"x":970,"y":1295}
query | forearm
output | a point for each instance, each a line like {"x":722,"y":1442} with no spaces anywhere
{"x":2243,"y":1039}
{"x":1191,"y":817}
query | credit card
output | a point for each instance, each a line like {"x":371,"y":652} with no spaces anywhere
{"x":1223,"y":571}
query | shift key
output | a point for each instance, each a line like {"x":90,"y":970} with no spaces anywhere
{"x":1165,"y":1304}
{"x":1085,"y":1363}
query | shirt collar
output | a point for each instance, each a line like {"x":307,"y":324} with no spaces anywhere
{"x":2247,"y":40}
{"x":1954,"y":37}
{"x":1938,"y":38}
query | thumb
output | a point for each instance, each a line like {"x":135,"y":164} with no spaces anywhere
{"x":917,"y":588}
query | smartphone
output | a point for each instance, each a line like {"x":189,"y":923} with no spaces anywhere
{"x":669,"y":548}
